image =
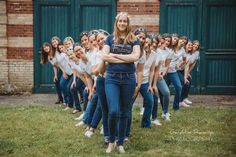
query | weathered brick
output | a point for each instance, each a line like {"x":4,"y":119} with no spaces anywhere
{"x":3,"y":53}
{"x":20,"y":53}
{"x":21,"y":19}
{"x":3,"y":7}
{"x":20,"y":7}
{"x":20,"y":30}
{"x":3,"y":30}
{"x":3,"y":42}
{"x":144,"y":20}
{"x":20,"y":42}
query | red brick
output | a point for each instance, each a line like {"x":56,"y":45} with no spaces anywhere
{"x":139,"y":8}
{"x":20,"y":53}
{"x":20,"y":7}
{"x":20,"y":30}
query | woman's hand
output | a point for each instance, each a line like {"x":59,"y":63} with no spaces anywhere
{"x":65,"y":75}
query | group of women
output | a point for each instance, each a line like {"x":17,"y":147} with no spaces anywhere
{"x":106,"y":72}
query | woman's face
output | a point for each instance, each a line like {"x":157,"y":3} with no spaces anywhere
{"x":189,"y":46}
{"x":62,"y":48}
{"x":68,"y":44}
{"x":122,"y":23}
{"x":167,"y":42}
{"x":46,"y":49}
{"x":92,"y":41}
{"x":181,"y":42}
{"x":101,"y":38}
{"x":195,"y":47}
{"x":142,"y":38}
{"x":54,"y":43}
{"x":85,"y":41}
{"x":79,"y":52}
{"x":174,"y":40}
{"x":154,"y":45}
{"x":147,"y":44}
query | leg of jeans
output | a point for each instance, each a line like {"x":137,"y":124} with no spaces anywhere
{"x":100,"y":88}
{"x":155,"y":106}
{"x":90,"y":109}
{"x":186,"y":88}
{"x":129,"y":119}
{"x":177,"y":85}
{"x":112,"y":89}
{"x":58,"y":87}
{"x":148,"y":98}
{"x":81,"y":87}
{"x":74,"y":93}
{"x":128,"y":84}
{"x":70,"y":97}
{"x":97,"y":116}
{"x":165,"y":92}
{"x":85,"y":97}
{"x":181,"y":78}
{"x":63,"y":84}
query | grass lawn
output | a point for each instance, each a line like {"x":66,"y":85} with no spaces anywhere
{"x":48,"y":131}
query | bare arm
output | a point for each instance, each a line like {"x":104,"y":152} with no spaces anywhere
{"x":167,"y":64}
{"x":107,"y":57}
{"x":134,"y":56}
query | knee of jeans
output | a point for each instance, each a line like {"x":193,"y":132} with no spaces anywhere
{"x":124,"y":114}
{"x":166,"y":93}
{"x":113,"y":113}
{"x":178,"y":88}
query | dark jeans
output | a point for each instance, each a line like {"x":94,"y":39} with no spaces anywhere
{"x":58,"y":87}
{"x":74,"y":92}
{"x":119,"y":88}
{"x":185,"y":86}
{"x":65,"y":87}
{"x":100,"y":88}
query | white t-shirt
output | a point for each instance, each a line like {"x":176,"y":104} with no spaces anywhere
{"x":147,"y":65}
{"x":193,"y":57}
{"x":63,"y":63}
{"x":161,"y":57}
{"x":175,"y":60}
{"x":53,"y":60}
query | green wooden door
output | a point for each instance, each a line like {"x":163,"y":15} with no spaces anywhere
{"x":213,"y":23}
{"x":65,"y":18}
{"x":218,"y":66}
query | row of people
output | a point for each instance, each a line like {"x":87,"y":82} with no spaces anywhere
{"x":109,"y":71}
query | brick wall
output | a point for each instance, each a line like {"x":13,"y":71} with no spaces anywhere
{"x":16,"y":46}
{"x":143,"y":13}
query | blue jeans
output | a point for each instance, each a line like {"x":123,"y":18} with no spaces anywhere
{"x":85,"y":97}
{"x":174,"y":78}
{"x":90,"y":109}
{"x":65,"y":87}
{"x":97,"y":116}
{"x":57,"y":84}
{"x":164,"y":94}
{"x":74,"y":92}
{"x":185,"y":89}
{"x":119,"y":88}
{"x":100,"y":89}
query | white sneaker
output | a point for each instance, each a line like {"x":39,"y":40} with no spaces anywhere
{"x":156,"y":122}
{"x":80,"y":117}
{"x":79,"y":124}
{"x":141,"y":111}
{"x":167,"y":117}
{"x":89,"y":133}
{"x":121,"y":149}
{"x":110,"y":148}
{"x":101,"y":130}
{"x":67,"y":108}
{"x":187,"y":101}
{"x":182,"y":104}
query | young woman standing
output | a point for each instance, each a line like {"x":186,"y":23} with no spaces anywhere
{"x":121,"y":50}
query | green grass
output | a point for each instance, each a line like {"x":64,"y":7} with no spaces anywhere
{"x":48,"y":131}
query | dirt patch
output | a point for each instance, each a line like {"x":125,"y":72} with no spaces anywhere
{"x":49,"y":99}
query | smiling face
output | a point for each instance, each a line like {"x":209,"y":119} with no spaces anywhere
{"x":101,"y":38}
{"x":46,"y":49}
{"x":79,"y":52}
{"x":142,"y":38}
{"x":167,"y":41}
{"x":92,"y":41}
{"x":85,"y":41}
{"x":62,"y":48}
{"x":68,"y":44}
{"x":147,"y":44}
{"x":189,"y":46}
{"x":55,"y":43}
{"x":174,"y":40}
{"x":122,"y":23}
{"x":195,"y":47}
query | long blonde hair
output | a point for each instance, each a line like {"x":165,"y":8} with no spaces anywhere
{"x":130,"y":37}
